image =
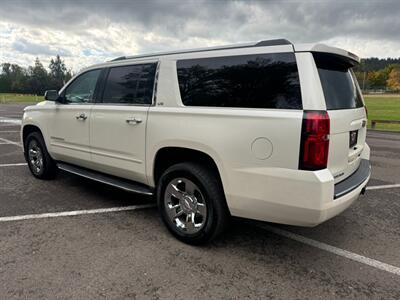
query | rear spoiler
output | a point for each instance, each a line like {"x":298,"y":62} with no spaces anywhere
{"x":321,"y":48}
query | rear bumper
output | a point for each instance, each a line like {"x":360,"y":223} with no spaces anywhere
{"x":338,"y":205}
{"x":354,"y":181}
{"x":294,"y":197}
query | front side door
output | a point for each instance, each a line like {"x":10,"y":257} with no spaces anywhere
{"x":69,"y":124}
{"x":118,"y":122}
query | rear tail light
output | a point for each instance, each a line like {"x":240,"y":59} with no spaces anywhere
{"x":314,"y":140}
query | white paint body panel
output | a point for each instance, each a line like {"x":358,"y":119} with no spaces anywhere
{"x":118,"y":147}
{"x":69,"y":136}
{"x":325,"y":49}
{"x":269,"y":189}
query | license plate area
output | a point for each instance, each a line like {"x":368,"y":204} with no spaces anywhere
{"x":353,"y":138}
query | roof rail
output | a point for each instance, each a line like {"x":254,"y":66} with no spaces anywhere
{"x":264,"y":43}
{"x":119,"y":58}
{"x":276,"y":42}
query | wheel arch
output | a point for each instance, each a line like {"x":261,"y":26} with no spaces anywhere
{"x":169,"y":155}
{"x":29,"y":128}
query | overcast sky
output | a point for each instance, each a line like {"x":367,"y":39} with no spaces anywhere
{"x":87,"y":32}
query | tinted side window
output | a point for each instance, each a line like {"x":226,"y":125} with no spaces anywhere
{"x":254,"y":81}
{"x":130,"y":84}
{"x":338,"y":82}
{"x":81,"y":90}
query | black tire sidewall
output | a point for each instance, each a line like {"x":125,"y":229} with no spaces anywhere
{"x":48,"y":170}
{"x":184,"y":170}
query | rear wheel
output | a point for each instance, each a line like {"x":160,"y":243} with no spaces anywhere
{"x":192,"y":203}
{"x":40,"y":163}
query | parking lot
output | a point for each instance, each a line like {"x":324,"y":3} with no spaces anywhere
{"x":74,"y":238}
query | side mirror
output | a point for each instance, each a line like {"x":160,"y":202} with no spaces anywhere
{"x":51,"y":95}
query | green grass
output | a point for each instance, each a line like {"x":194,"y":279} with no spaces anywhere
{"x":380,"y":107}
{"x":19,"y":98}
{"x":383,"y":107}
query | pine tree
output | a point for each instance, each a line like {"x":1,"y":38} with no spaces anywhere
{"x":58,"y":72}
{"x":38,"y":78}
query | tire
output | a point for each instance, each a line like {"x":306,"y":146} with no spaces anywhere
{"x":40,"y":163}
{"x":207,"y":211}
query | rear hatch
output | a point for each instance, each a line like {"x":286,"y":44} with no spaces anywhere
{"x":346,"y":111}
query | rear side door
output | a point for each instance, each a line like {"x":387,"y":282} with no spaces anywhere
{"x":69,"y":122}
{"x":346,"y":111}
{"x":118,"y":121}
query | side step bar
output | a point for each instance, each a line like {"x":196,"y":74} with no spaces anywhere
{"x":123,"y":184}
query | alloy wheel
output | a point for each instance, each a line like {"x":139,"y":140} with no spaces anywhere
{"x":35,"y":156}
{"x":185,"y":205}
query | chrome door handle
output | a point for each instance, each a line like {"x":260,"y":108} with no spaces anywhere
{"x":133,"y":120}
{"x":81,"y":116}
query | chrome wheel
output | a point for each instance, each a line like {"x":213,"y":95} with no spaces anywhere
{"x":35,"y":156}
{"x":185,"y":205}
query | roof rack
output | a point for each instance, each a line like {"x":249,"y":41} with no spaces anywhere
{"x":119,"y":58}
{"x":266,"y":43}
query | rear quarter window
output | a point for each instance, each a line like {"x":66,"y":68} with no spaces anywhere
{"x":248,"y":81}
{"x":338,"y":82}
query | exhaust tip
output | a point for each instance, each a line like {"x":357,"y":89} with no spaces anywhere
{"x":363,"y":190}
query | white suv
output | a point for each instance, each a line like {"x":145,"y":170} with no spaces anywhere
{"x":269,"y":131}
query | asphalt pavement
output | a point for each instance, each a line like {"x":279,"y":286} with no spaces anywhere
{"x":96,"y":252}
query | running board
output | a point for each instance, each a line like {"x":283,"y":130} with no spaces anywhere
{"x":120,"y":183}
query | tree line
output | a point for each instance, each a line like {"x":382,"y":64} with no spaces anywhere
{"x":379,"y":74}
{"x":35,"y":79}
{"x":372,"y":74}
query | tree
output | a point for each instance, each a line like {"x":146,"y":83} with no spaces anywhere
{"x":20,"y":78}
{"x":393,"y":81}
{"x":68,"y":75}
{"x":38,"y":78}
{"x":377,"y":79}
{"x":34,"y":79}
{"x":13,"y":78}
{"x":5,"y":78}
{"x":58,"y":72}
{"x":375,"y":64}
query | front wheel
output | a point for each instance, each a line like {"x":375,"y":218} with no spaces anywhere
{"x":192,"y":203}
{"x":40,"y":163}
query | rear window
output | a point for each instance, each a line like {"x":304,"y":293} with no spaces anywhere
{"x":338,"y":82}
{"x":250,"y":81}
